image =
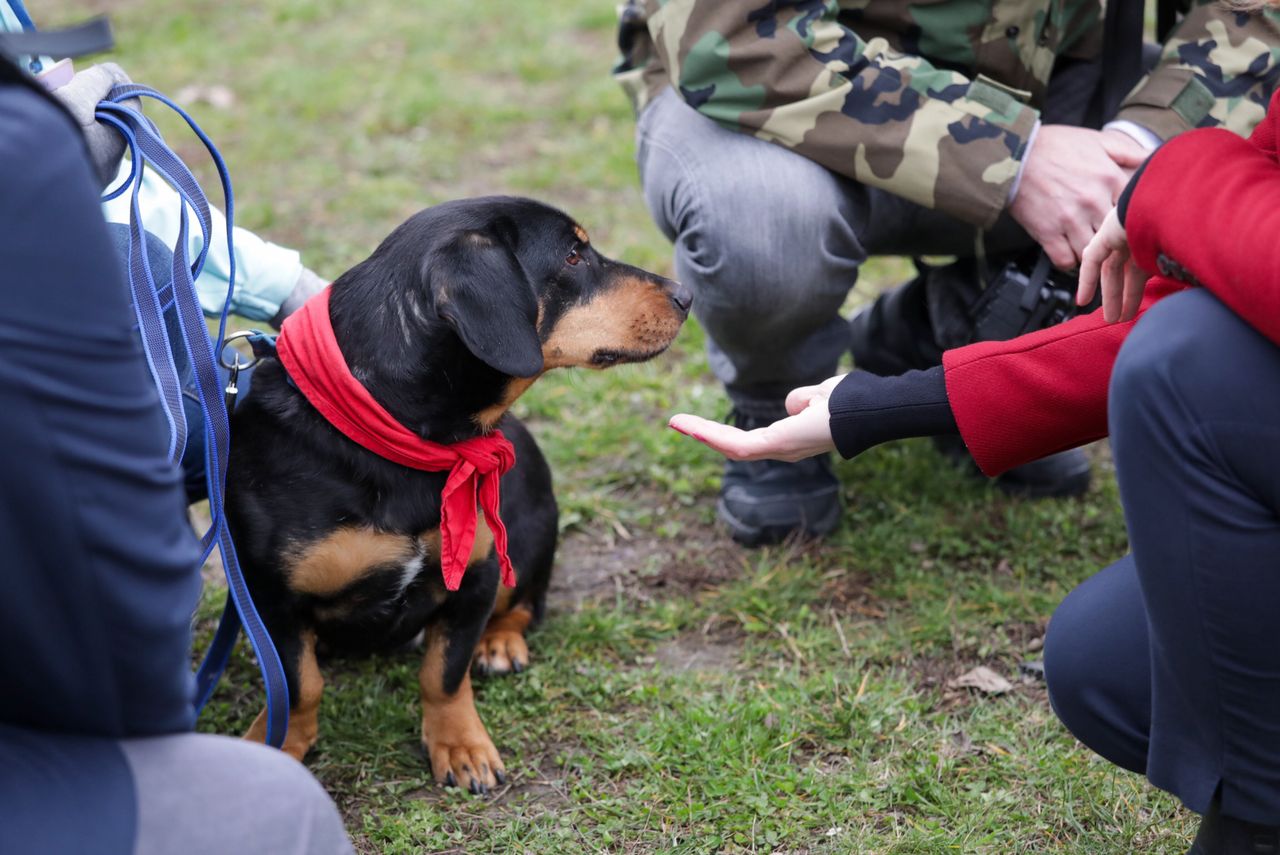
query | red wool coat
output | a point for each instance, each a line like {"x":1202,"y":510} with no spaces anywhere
{"x":1206,"y":212}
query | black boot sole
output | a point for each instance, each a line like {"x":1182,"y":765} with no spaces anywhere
{"x":1074,"y":485}
{"x":755,"y":536}
{"x":1068,"y":484}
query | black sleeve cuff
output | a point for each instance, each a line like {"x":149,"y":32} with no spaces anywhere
{"x":867,"y":409}
{"x":1122,"y":204}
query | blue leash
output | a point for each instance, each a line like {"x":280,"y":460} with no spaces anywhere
{"x":148,"y":150}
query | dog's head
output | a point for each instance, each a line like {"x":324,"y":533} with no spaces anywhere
{"x":492,"y":292}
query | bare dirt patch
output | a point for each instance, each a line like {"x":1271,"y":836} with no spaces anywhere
{"x":849,"y":592}
{"x":595,"y":564}
{"x":699,"y":653}
{"x":933,"y":674}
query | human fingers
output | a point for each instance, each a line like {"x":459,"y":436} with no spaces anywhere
{"x":1093,"y":203}
{"x":1127,"y":152}
{"x":1112,"y":233}
{"x":1135,"y":283}
{"x":1090,"y":270}
{"x":1079,"y":231}
{"x":793,"y":438}
{"x":1058,"y":248}
{"x":1113,"y":286}
{"x":799,"y":398}
{"x":732,"y":442}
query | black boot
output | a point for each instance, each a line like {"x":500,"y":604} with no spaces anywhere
{"x":1057,"y":476}
{"x":767,"y":501}
{"x":1224,"y":835}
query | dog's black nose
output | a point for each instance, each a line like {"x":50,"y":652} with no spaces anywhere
{"x":681,"y":297}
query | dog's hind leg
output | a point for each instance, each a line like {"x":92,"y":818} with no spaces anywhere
{"x":305,"y":688}
{"x":502,"y":648}
{"x":530,"y":506}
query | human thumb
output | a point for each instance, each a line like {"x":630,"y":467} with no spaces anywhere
{"x":1127,"y":152}
{"x":798,"y":399}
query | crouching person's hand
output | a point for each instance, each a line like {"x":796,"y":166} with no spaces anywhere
{"x":804,"y":433}
{"x":864,"y":411}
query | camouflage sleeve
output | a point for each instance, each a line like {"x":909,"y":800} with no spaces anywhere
{"x":1217,"y":69}
{"x":790,"y":73}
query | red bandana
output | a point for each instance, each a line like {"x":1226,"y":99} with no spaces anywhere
{"x":307,"y":348}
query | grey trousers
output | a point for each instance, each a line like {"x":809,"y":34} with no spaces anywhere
{"x":199,"y":793}
{"x":770,"y":242}
{"x":188,"y":793}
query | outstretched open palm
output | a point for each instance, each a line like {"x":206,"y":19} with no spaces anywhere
{"x":804,"y":433}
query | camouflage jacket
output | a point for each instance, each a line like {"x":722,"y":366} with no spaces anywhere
{"x":932,"y":100}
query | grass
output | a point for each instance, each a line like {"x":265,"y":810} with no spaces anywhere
{"x":687,"y":695}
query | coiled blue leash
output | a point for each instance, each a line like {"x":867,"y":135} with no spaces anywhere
{"x":148,"y":150}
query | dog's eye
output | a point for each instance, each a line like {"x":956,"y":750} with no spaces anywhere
{"x":573,"y":257}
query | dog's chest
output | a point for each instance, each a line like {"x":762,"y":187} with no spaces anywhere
{"x":410,"y":571}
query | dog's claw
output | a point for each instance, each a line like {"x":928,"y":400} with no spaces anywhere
{"x":517,"y":665}
{"x":475,"y":787}
{"x":500,"y":775}
{"x":449,"y":780}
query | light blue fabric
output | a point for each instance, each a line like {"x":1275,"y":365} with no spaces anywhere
{"x":265,"y":272}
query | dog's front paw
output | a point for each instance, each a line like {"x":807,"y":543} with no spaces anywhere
{"x":501,"y":651}
{"x":461,"y":752}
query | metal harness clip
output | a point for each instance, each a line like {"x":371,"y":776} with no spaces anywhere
{"x":233,"y":388}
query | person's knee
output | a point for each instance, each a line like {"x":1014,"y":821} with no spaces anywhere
{"x":753,"y":224}
{"x":1069,"y":662}
{"x":1174,"y":351}
{"x":1095,"y":665}
{"x":205,"y":793}
{"x":801,"y":245}
{"x":290,"y":792}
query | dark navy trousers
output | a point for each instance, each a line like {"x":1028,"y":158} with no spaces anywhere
{"x":1168,"y":662}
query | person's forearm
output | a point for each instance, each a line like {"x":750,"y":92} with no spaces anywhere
{"x":1019,"y":400}
{"x":867,"y":409}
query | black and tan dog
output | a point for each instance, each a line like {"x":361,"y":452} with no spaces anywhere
{"x":454,"y":316}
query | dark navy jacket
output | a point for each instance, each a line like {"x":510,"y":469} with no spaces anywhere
{"x":98,"y":565}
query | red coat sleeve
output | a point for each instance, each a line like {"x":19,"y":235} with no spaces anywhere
{"x":1204,"y":210}
{"x":1207,"y":209}
{"x":1019,"y":400}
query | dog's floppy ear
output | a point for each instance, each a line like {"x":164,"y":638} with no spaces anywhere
{"x":481,"y":291}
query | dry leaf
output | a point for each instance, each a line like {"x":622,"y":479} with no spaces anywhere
{"x":983,"y":679}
